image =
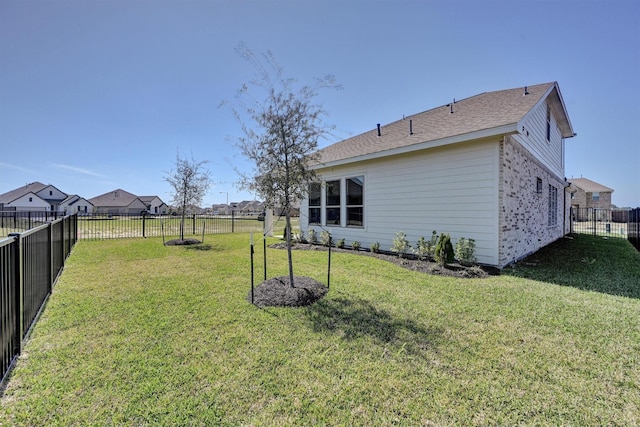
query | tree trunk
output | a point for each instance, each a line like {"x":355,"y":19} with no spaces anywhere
{"x":288,"y":232}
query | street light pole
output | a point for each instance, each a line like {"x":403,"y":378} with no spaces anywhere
{"x":224,"y":192}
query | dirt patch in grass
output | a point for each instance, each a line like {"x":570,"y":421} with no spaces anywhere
{"x":409,"y":262}
{"x":277,"y":292}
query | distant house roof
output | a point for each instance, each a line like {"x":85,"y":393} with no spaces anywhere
{"x":115,"y":198}
{"x":12,"y":195}
{"x":483,"y":115}
{"x":589,"y":186}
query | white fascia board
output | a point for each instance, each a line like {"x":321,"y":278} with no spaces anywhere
{"x":485,"y":133}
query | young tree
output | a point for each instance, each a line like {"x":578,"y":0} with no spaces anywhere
{"x":282,"y":136}
{"x":190,"y":181}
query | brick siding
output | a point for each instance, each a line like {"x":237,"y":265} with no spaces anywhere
{"x":524,"y":212}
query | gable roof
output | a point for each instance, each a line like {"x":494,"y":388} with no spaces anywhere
{"x":114,"y":198}
{"x":72,"y":200}
{"x":12,"y":195}
{"x":483,"y":115}
{"x":589,"y":186}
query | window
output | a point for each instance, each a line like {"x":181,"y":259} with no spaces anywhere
{"x":355,"y":198}
{"x":553,"y":206}
{"x":548,"y":123}
{"x":332,"y":202}
{"x":539,"y":185}
{"x":314,"y":203}
{"x":595,"y":196}
{"x":31,"y":199}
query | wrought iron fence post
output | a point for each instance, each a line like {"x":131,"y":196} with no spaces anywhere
{"x":19,"y":290}
{"x":144,"y":220}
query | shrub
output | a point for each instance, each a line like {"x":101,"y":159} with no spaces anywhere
{"x":340,"y":243}
{"x":465,"y":251}
{"x":400,"y":244}
{"x":444,"y":250}
{"x":355,"y":245}
{"x":300,"y":238}
{"x":425,"y":248}
{"x":375,"y":247}
{"x":325,"y":238}
{"x":312,"y":237}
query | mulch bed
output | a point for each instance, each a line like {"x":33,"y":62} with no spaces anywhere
{"x":277,"y":292}
{"x":409,"y":262}
{"x":182,"y":242}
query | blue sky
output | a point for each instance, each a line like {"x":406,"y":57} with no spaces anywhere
{"x":98,"y":95}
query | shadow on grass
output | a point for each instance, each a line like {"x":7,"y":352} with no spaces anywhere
{"x":590,"y":263}
{"x":354,"y":318}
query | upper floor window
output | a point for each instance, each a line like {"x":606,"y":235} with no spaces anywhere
{"x":595,"y":196}
{"x":548,"y":123}
{"x":539,"y":185}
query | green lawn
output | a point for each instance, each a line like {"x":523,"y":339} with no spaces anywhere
{"x":141,"y":334}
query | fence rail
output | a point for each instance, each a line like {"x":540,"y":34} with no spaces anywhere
{"x":30,"y":263}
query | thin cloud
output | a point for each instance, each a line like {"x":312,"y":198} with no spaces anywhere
{"x":16,"y":167}
{"x":77,"y":169}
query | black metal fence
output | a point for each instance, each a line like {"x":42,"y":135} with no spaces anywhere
{"x":622,"y":223}
{"x":109,"y":226}
{"x":30,"y":263}
{"x":634,"y":227}
{"x":99,"y":226}
{"x":12,"y":221}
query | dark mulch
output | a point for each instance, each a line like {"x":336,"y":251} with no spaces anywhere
{"x":276,"y":292}
{"x":182,"y":242}
{"x":409,"y":262}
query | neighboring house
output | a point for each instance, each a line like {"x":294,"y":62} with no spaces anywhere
{"x":154,"y":205}
{"x":118,"y":202}
{"x":76,"y":204}
{"x":590,"y":200}
{"x":589,"y":194}
{"x":489,"y":167}
{"x":35,"y":196}
{"x":249,"y":207}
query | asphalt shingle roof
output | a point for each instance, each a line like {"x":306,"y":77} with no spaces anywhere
{"x":589,"y":186}
{"x":489,"y":110}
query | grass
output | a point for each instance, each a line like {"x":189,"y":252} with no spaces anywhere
{"x":141,"y":334}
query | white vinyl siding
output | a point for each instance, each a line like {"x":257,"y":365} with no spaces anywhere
{"x":534,"y":138}
{"x":449,"y":189}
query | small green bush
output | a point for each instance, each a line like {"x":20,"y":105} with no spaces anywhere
{"x":312,"y":236}
{"x":340,"y":243}
{"x":325,"y":238}
{"x":375,"y":247}
{"x":444,"y":250}
{"x":425,"y":248}
{"x":465,"y":251}
{"x":300,"y":237}
{"x":400,"y":244}
{"x":355,"y":245}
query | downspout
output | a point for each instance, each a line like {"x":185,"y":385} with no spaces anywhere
{"x":567,"y":184}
